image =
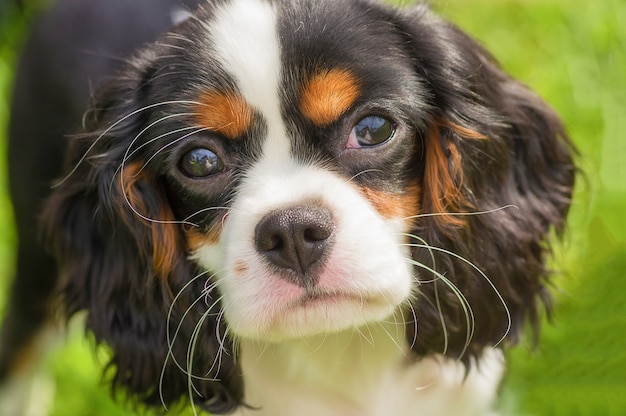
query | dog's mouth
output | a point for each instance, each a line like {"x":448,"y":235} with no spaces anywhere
{"x":315,"y":312}
{"x":313,"y":299}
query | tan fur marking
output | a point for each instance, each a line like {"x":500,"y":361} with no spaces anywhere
{"x":464,"y":132}
{"x":225,"y":113}
{"x":165,"y":234}
{"x":443,"y":176}
{"x":196,"y":239}
{"x":328,"y":95}
{"x":394,"y":205}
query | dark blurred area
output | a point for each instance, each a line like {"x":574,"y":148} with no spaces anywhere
{"x":69,"y":47}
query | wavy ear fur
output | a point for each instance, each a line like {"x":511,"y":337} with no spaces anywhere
{"x":123,"y":259}
{"x":492,"y":143}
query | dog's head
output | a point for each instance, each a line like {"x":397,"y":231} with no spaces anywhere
{"x":272,"y":170}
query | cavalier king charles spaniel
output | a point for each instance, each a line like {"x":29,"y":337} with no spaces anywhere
{"x":311,"y":207}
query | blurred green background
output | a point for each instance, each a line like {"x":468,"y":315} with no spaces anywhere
{"x":574,"y":54}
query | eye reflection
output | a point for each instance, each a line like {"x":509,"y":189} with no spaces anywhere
{"x":371,"y":131}
{"x":200,"y":163}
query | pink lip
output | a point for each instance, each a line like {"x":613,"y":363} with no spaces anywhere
{"x":315,"y":299}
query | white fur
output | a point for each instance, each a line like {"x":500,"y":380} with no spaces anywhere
{"x":351,"y":374}
{"x":246,"y":42}
{"x":257,"y":302}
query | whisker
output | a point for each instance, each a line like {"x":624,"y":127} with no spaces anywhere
{"x":467,"y":309}
{"x":369,"y":339}
{"x":440,"y":313}
{"x":216,"y":366}
{"x":169,"y":45}
{"x":123,"y":186}
{"x":191,"y":349}
{"x":111,"y":127}
{"x":364,"y":172}
{"x":171,"y":339}
{"x":496,"y":291}
{"x":176,"y":36}
{"x":187,"y":220}
{"x":461,"y":214}
{"x":128,"y":154}
{"x":393,"y":340}
{"x":415,"y":326}
{"x":171,"y":143}
{"x":205,"y":314}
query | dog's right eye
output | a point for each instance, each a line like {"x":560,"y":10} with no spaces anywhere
{"x":371,"y":131}
{"x":200,"y":163}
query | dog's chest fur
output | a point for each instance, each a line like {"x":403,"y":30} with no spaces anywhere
{"x":363,"y":373}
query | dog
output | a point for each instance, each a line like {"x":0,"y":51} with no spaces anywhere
{"x":310,"y":207}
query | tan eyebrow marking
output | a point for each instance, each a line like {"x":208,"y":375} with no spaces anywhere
{"x":329,"y":94}
{"x":226,"y":113}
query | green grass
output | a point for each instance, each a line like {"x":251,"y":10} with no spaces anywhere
{"x":574,"y":55}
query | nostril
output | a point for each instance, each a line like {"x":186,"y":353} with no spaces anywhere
{"x":316,"y":234}
{"x":295,"y":238}
{"x":269,"y":241}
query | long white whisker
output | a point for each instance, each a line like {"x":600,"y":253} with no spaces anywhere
{"x":461,"y":214}
{"x":467,"y":308}
{"x":391,"y":337}
{"x":442,"y":320}
{"x":171,"y":143}
{"x":128,"y":154}
{"x":496,"y":291}
{"x":363,"y":172}
{"x":111,"y":127}
{"x":172,"y":338}
{"x":415,"y":326}
{"x":203,"y":210}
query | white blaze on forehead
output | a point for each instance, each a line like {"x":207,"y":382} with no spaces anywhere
{"x":245,"y":38}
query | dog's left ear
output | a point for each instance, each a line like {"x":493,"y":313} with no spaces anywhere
{"x":123,"y":259}
{"x":491,"y":144}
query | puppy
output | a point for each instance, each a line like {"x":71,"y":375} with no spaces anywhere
{"x":310,"y":208}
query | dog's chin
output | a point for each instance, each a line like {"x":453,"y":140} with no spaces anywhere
{"x":264,"y":306}
{"x":313,"y":313}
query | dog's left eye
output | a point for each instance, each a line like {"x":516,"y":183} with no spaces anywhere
{"x":370,"y":131}
{"x":200,"y":163}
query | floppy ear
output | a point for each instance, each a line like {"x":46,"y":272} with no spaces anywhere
{"x":491,"y":144}
{"x":122,"y":258}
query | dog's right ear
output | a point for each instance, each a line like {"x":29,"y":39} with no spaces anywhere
{"x":494,"y":146}
{"x":123,"y":259}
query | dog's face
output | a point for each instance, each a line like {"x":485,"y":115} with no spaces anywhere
{"x":273,"y":170}
{"x":305,"y":153}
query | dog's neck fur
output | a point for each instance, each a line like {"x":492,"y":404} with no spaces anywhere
{"x":362,"y":372}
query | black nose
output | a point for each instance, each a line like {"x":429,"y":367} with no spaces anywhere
{"x":295,"y":240}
